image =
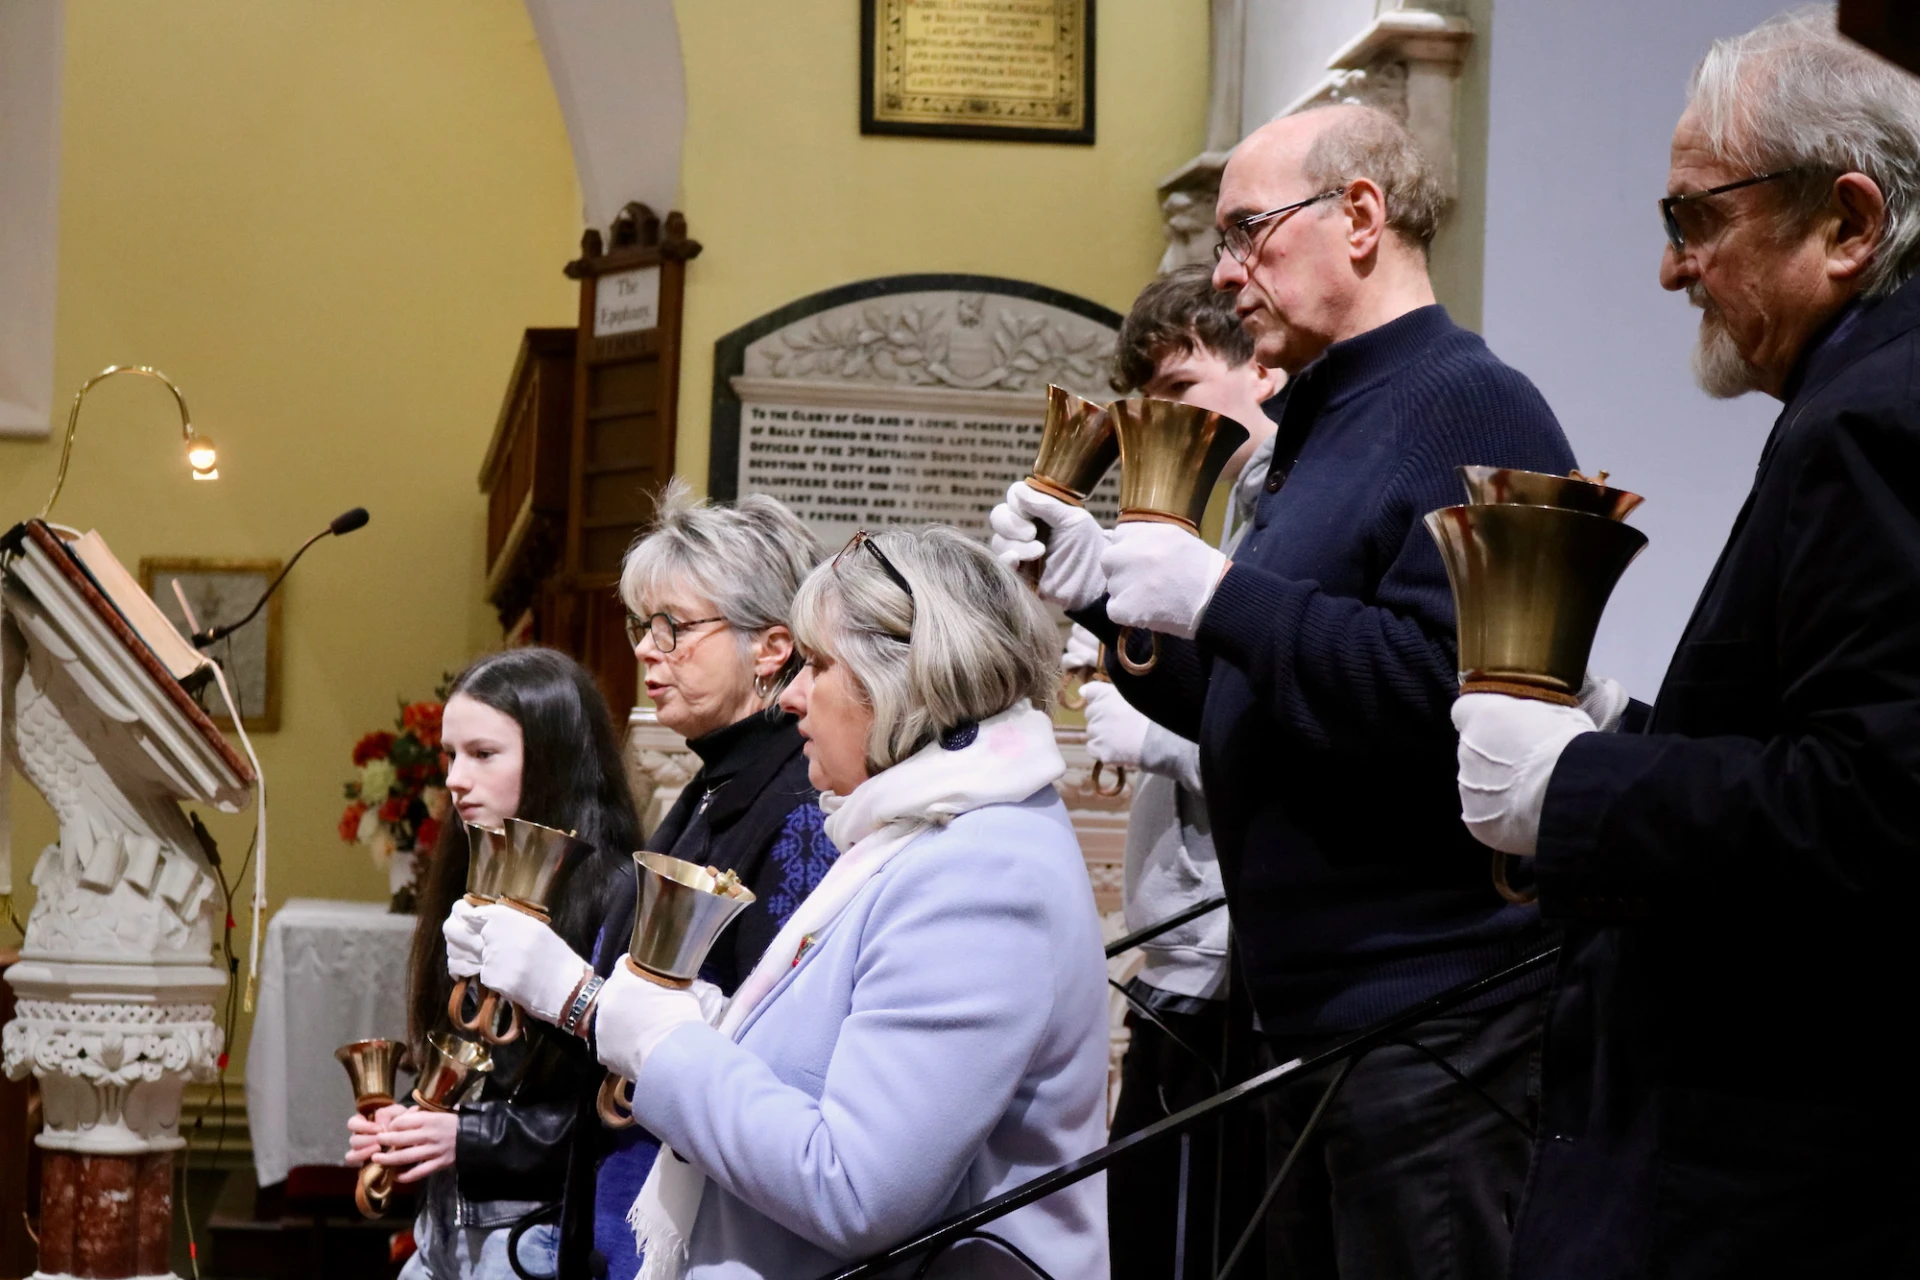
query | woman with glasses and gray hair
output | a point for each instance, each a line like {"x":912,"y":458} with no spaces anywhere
{"x":709,"y":593}
{"x":928,"y":1030}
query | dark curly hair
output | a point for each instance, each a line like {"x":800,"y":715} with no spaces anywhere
{"x":1177,"y":312}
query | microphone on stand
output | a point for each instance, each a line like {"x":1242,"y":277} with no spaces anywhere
{"x":344,"y":523}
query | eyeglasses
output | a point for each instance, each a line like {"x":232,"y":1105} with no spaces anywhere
{"x":1670,"y":206}
{"x":664,"y":628}
{"x":865,"y":539}
{"x":1238,"y":237}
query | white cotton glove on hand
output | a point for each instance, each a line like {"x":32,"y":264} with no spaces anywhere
{"x":461,"y":929}
{"x":526,"y":961}
{"x":633,"y":1016}
{"x":1508,"y":747}
{"x":1070,"y":571}
{"x":1604,"y":701}
{"x":1160,"y":577}
{"x":1083,"y":650}
{"x":1116,"y":733}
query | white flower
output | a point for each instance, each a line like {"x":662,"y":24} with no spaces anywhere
{"x":382,"y":847}
{"x":377,"y":778}
{"x":369,"y":823}
{"x":438,"y":802}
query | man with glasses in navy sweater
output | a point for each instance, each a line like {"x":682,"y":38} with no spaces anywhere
{"x":1316,"y":669}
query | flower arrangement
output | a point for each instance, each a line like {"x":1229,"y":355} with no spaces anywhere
{"x":398,"y":800}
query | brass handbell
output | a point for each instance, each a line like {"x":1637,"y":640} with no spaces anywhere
{"x":371,"y":1066}
{"x":1533,"y":560}
{"x":1171,"y":456}
{"x":455,"y":1067}
{"x":680,"y":911}
{"x":523,"y":866}
{"x":1077,"y":449}
{"x":486,"y":848}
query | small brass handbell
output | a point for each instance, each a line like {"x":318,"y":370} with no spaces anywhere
{"x":1077,"y":449}
{"x":371,"y":1067}
{"x":1504,"y":486}
{"x":486,"y":847}
{"x":455,"y":1067}
{"x":680,"y":911}
{"x":525,"y":868}
{"x":1171,"y":456}
{"x":1529,"y":586}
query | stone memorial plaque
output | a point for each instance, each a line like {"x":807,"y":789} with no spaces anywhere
{"x":1009,"y":70}
{"x":900,"y":402}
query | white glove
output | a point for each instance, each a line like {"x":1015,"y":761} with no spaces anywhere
{"x":1116,"y":733}
{"x":1083,"y":650}
{"x":633,"y":1016}
{"x":527,"y":962}
{"x":1160,"y":577}
{"x":1508,"y":747}
{"x":1604,"y":701}
{"x":1070,"y":572}
{"x":461,"y":929}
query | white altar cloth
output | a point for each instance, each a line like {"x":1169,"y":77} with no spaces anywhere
{"x":331,"y":972}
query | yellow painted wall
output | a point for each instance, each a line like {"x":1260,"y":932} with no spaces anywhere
{"x":789,"y":198}
{"x":328,"y":220}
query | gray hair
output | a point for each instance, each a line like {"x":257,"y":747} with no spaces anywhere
{"x":747,"y":557}
{"x":969,"y":643}
{"x":1366,"y":142}
{"x":1794,"y":93}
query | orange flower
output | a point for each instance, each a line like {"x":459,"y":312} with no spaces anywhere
{"x":394,"y":809}
{"x":422,"y":719}
{"x":350,"y":821}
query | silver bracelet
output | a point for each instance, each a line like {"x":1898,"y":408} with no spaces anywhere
{"x":570,"y":1020}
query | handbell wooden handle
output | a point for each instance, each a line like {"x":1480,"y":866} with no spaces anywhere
{"x":615,"y":1102}
{"x":1127,"y":663}
{"x":489,"y":1019}
{"x":1119,"y":779}
{"x":373,"y":1190}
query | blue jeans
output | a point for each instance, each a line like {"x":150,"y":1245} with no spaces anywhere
{"x":481,"y":1252}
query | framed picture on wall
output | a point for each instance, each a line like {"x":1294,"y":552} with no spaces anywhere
{"x":220,"y":591}
{"x":1014,"y":72}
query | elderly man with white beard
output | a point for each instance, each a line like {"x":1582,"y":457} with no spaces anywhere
{"x":1722,"y":1092}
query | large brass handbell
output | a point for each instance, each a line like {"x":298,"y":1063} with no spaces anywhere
{"x":680,"y":911}
{"x":1171,"y":456}
{"x":1533,"y":561}
{"x":371,"y":1066}
{"x":525,"y":867}
{"x":1077,"y":449}
{"x":486,"y":847}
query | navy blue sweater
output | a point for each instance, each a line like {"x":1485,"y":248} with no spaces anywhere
{"x":1320,"y":685}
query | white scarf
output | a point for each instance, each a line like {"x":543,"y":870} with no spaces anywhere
{"x":1011,"y":756}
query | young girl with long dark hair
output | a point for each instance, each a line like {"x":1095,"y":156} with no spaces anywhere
{"x":527,"y":735}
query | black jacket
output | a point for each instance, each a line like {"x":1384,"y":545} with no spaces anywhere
{"x":1323,"y":677}
{"x":1721,"y":1084}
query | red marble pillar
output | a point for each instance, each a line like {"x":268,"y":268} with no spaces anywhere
{"x":107,"y":1208}
{"x":154,"y":1250}
{"x":59,"y":1189}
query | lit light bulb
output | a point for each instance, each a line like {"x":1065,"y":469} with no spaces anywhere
{"x":202,"y":458}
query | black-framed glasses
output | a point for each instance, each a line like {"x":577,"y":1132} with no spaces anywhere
{"x":1239,"y":236}
{"x":865,"y":539}
{"x":1670,"y":206}
{"x":663,"y":627}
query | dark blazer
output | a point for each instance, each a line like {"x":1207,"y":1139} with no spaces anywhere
{"x":1722,"y":1094}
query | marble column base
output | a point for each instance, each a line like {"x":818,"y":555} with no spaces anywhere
{"x":105,"y":1217}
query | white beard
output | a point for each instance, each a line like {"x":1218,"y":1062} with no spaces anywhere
{"x":1718,"y":366}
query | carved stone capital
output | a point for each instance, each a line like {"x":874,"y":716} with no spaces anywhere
{"x":111,"y":1073}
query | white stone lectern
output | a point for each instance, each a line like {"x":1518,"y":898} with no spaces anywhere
{"x":116,"y":982}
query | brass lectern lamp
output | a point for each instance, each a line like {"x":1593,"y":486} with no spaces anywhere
{"x":1533,"y":559}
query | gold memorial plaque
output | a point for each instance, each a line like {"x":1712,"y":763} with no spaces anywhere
{"x":1008,"y":70}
